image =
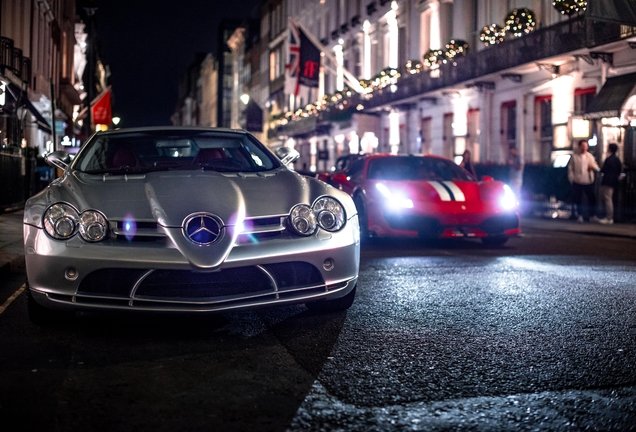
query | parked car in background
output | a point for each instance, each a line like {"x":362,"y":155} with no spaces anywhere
{"x":427,"y":196}
{"x":186,"y":220}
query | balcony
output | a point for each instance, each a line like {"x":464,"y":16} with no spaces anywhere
{"x":562,"y":38}
{"x":11,"y":59}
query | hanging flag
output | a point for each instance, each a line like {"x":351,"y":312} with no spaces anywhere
{"x":303,"y":61}
{"x":293,"y":61}
{"x":101,"y":109}
{"x":309,"y":62}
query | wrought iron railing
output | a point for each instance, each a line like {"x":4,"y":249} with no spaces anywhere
{"x":547,"y":42}
{"x":11,"y":58}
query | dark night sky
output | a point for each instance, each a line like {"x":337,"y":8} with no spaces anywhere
{"x":149,"y":44}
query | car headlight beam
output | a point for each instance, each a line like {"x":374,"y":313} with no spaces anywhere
{"x":508,"y":201}
{"x":62,"y":221}
{"x":394,"y":201}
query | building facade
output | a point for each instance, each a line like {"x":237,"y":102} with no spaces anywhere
{"x":40,"y":88}
{"x":445,"y":76}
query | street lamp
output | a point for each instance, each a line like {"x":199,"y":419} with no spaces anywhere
{"x":245,"y":98}
{"x":116,"y":120}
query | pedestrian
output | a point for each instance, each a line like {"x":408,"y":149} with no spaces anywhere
{"x":467,"y":164}
{"x":611,"y":172}
{"x":515,"y":164}
{"x":581,"y":169}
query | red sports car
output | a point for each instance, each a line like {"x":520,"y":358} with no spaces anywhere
{"x":427,"y":196}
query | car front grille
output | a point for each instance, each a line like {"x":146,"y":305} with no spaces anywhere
{"x":139,"y":288}
{"x":425,"y":226}
{"x":429,"y":226}
{"x":255,"y":230}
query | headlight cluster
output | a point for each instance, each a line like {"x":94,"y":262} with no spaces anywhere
{"x":61,"y":221}
{"x":326,"y":213}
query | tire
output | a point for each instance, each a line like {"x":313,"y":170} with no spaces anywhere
{"x":337,"y":305}
{"x":363,"y":219}
{"x":41,"y":316}
{"x":495,"y":241}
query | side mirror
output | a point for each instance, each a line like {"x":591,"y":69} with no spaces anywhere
{"x":59,"y":159}
{"x":287,"y":155}
{"x":487,"y":179}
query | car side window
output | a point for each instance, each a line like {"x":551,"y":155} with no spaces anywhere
{"x":355,"y":170}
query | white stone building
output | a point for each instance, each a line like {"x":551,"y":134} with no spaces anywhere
{"x":533,"y":91}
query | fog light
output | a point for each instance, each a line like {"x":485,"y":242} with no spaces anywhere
{"x":328,"y":264}
{"x":70,"y":274}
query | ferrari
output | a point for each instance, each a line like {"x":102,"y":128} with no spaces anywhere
{"x":427,"y":196}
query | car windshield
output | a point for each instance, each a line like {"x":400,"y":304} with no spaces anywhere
{"x":163,"y":150}
{"x":415,"y":168}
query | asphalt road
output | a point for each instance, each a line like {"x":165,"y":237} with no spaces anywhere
{"x":537,"y":335}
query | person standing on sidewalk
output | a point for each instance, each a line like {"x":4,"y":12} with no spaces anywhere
{"x":611,"y":172}
{"x":467,"y":164}
{"x":581,"y":171}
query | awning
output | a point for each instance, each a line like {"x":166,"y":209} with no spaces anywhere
{"x":41,"y":122}
{"x":21,"y":100}
{"x":609,"y":101}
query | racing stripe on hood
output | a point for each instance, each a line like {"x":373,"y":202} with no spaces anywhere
{"x":455,"y":191}
{"x":443,"y":192}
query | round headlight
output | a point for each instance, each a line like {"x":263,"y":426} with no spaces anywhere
{"x":329,"y":213}
{"x":92,"y":226}
{"x":303,"y":220}
{"x":60,"y":221}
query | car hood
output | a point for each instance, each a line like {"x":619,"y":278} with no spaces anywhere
{"x":169,"y":197}
{"x":436,"y":191}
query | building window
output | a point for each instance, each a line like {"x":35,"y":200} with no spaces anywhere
{"x":472,"y":139}
{"x":508,"y":125}
{"x":543,"y":127}
{"x":582,"y":98}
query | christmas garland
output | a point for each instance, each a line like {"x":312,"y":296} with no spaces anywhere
{"x":492,"y":34}
{"x":433,"y":58}
{"x":456,"y":48}
{"x":520,"y":22}
{"x":568,"y":7}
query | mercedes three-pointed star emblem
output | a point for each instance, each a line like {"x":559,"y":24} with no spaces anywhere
{"x":202,"y":228}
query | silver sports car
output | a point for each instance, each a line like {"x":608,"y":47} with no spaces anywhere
{"x":186,"y":220}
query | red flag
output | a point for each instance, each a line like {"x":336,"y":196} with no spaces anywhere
{"x":100,"y":109}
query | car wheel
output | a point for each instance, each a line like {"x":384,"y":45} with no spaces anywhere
{"x":363,"y":219}
{"x":337,"y":305}
{"x":495,"y":241}
{"x":41,"y":316}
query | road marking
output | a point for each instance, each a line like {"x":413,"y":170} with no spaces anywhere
{"x":13,"y":297}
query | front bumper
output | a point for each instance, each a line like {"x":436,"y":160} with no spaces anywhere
{"x":447,"y":225}
{"x":156,"y":276}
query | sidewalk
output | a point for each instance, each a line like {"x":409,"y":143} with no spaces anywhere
{"x":12,"y":249}
{"x":11,"y":243}
{"x":565,"y":225}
